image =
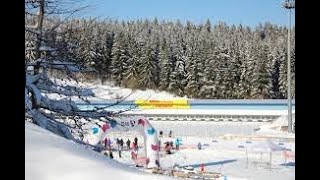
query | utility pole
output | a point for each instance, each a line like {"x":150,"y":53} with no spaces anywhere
{"x":289,"y":4}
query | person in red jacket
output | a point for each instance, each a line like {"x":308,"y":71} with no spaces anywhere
{"x":134,"y":152}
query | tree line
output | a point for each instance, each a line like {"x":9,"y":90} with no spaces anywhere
{"x":207,"y":61}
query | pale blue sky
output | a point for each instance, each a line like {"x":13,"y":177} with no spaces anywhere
{"x":247,"y":12}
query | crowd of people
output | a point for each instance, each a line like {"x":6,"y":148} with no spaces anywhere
{"x":120,"y":147}
{"x":133,"y":145}
{"x":169,"y":144}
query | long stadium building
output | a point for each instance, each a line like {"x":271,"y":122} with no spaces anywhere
{"x":200,"y":110}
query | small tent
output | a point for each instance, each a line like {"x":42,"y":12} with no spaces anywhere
{"x":264,"y":147}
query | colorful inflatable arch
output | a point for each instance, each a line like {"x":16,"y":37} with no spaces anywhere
{"x":139,"y":124}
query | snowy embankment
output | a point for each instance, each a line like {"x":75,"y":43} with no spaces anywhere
{"x":50,"y":157}
{"x":110,"y":92}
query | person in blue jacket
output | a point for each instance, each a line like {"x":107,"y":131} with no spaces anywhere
{"x":177,"y":143}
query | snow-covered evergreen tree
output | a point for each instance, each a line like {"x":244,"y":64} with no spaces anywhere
{"x":132,"y":73}
{"x":247,"y":69}
{"x":261,"y":79}
{"x":275,"y":73}
{"x":178,"y":76}
{"x":282,"y":55}
{"x":194,"y":70}
{"x":120,"y":56}
{"x":148,"y":68}
{"x":165,"y":65}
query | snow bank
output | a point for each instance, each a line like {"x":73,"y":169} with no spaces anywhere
{"x":275,"y":127}
{"x":108,"y":91}
{"x":111,"y":92}
{"x":50,"y":157}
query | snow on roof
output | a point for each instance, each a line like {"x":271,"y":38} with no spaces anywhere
{"x":241,"y":101}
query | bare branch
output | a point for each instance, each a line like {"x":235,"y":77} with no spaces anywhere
{"x":32,"y":31}
{"x":64,"y":105}
{"x":28,"y":104}
{"x":65,"y":90}
{"x":35,"y":93}
{"x":50,"y":124}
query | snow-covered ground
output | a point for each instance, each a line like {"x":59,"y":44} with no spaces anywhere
{"x":51,"y":157}
{"x":110,"y":92}
{"x":226,"y":144}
